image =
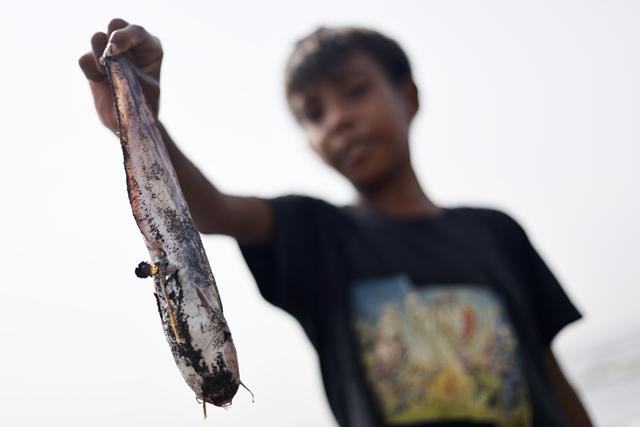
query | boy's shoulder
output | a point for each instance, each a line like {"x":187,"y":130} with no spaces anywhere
{"x":495,"y":221}
{"x":300,"y":205}
{"x":491,"y":226}
{"x":500,"y":228}
{"x":494,"y":218}
{"x":490,"y":215}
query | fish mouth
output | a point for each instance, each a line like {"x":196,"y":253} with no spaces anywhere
{"x":212,"y":393}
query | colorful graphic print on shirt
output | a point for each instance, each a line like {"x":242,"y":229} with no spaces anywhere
{"x":439,"y":353}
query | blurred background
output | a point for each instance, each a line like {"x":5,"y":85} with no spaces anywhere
{"x":528,"y":107}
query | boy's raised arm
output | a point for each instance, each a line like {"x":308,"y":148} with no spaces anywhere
{"x":248,"y":219}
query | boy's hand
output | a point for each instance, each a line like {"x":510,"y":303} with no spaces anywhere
{"x":247,"y":219}
{"x":145,"y":52}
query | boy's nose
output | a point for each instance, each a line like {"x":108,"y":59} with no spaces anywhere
{"x":340,"y":117}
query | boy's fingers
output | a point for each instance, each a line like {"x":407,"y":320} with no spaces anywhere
{"x":116,"y":24}
{"x":130,"y":37}
{"x":88,"y":65}
{"x":98,"y":43}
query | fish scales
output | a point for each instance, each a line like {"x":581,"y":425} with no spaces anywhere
{"x":188,"y":300}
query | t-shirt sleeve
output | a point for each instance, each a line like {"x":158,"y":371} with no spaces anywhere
{"x":553,"y":310}
{"x":286,"y":267}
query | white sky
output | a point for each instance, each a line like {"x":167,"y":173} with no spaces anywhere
{"x":530,"y":107}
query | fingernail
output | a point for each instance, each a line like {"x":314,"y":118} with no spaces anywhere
{"x":108,"y":51}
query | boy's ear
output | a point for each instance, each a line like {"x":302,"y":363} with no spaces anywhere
{"x":410,"y":93}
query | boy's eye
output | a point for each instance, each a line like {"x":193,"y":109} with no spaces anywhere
{"x":313,"y":113}
{"x":357,"y":89}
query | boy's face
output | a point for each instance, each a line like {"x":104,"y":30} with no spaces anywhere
{"x":358,"y":120}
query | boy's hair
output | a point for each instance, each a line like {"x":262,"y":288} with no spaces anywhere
{"x":317,"y":56}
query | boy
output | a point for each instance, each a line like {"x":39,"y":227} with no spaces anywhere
{"x":421,"y":315}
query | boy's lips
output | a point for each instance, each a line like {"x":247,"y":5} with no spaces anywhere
{"x":354,"y":152}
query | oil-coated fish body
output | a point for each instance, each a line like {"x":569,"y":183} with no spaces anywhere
{"x":185,"y":289}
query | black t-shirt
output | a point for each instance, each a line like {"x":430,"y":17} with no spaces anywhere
{"x":427,"y":321}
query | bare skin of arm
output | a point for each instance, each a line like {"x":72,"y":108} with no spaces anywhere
{"x":247,"y":219}
{"x":569,"y":401}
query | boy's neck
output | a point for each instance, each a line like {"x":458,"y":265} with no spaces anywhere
{"x":398,"y":195}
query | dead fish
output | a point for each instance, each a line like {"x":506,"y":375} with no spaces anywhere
{"x":185,"y":289}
